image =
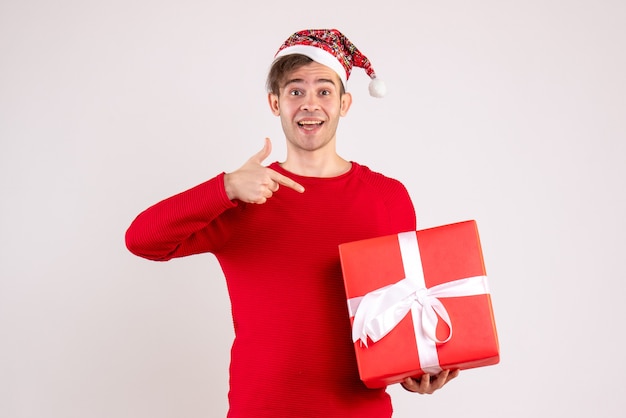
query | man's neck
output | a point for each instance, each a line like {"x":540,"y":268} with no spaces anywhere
{"x":311,"y":165}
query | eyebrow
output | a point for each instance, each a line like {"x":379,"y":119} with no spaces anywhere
{"x":318,"y":81}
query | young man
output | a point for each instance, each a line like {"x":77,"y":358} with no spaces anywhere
{"x":275,"y":231}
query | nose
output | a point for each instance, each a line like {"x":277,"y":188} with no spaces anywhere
{"x":310,"y":103}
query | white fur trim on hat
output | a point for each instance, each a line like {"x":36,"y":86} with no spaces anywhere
{"x":318,"y":55}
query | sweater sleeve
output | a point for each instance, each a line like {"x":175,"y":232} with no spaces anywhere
{"x":181,"y":225}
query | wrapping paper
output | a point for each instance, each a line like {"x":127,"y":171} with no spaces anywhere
{"x":419,"y":303}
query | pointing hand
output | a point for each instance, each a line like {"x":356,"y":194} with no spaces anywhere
{"x":255,"y":183}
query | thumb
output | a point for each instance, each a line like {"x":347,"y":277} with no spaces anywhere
{"x":264,"y":153}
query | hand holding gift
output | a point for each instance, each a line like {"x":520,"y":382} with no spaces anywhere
{"x":427,"y":384}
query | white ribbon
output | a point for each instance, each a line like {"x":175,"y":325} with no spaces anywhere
{"x":379,"y":311}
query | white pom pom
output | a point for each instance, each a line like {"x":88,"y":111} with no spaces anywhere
{"x":377,"y":88}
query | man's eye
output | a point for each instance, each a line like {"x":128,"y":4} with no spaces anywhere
{"x":295,"y":92}
{"x":325,"y":92}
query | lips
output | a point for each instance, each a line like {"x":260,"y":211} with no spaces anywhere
{"x":310,"y":124}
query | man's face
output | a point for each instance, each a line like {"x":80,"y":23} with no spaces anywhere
{"x":310,"y":105}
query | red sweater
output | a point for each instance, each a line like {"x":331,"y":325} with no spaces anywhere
{"x":292,"y":355}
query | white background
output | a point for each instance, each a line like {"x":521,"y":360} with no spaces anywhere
{"x":511,"y":113}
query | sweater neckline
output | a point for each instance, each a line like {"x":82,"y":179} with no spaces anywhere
{"x":277,"y":167}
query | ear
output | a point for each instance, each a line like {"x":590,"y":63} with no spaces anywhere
{"x":272,"y":99}
{"x":346,"y":102}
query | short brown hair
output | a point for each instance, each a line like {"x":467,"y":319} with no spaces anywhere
{"x":284,"y":66}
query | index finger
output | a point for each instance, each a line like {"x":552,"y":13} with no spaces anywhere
{"x":286,"y":181}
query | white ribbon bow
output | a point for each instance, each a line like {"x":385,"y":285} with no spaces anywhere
{"x":379,"y":311}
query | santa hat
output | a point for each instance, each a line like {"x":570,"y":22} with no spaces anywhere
{"x":331,"y":48}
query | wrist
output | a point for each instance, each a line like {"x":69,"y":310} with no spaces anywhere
{"x":228,"y":186}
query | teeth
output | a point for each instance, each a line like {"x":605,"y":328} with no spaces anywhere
{"x":310,"y":122}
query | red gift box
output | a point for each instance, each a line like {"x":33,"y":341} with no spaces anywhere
{"x":419,"y":303}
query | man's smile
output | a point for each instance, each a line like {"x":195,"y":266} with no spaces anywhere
{"x":310,"y":124}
